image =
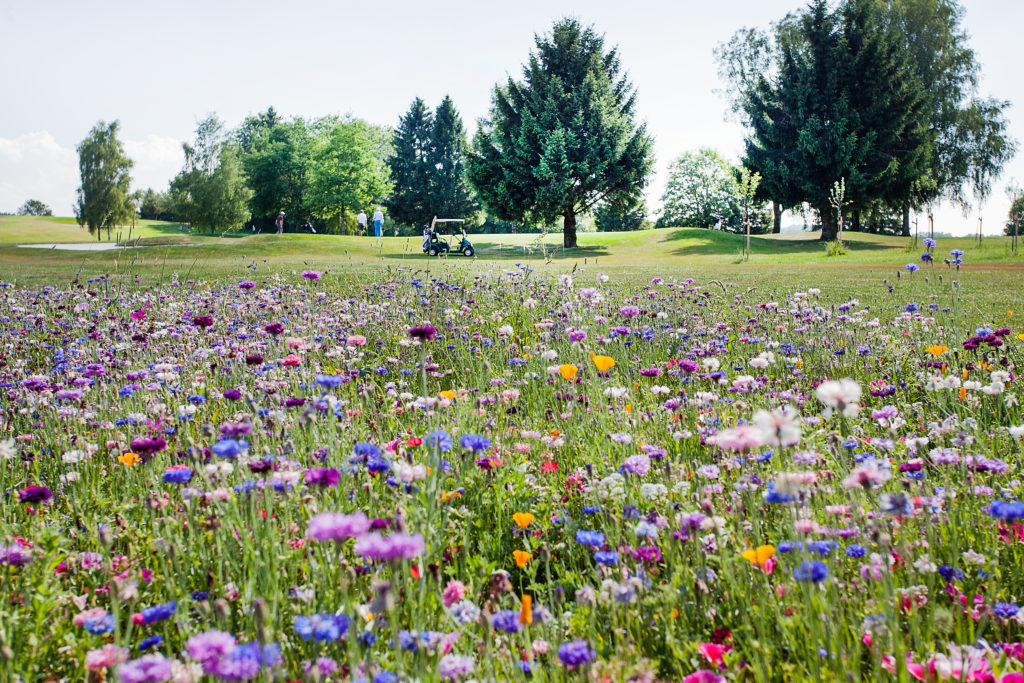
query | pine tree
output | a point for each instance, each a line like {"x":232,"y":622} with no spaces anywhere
{"x":450,"y":194}
{"x":410,"y":166}
{"x":563,"y":139}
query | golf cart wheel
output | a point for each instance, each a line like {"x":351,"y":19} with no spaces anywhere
{"x":432,"y":251}
{"x":468,"y":252}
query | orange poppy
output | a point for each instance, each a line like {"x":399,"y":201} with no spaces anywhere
{"x":129,"y":459}
{"x":526,"y":611}
{"x":522,"y":557}
{"x":758,"y":555}
{"x":937,"y":349}
{"x":568,"y":371}
{"x":603,"y":363}
{"x":522,"y":519}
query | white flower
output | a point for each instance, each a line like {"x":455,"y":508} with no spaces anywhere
{"x":1016,"y":431}
{"x":925,"y":566}
{"x":649,"y":491}
{"x":549,"y":355}
{"x":7,"y":449}
{"x":710,"y":364}
{"x":612,"y":486}
{"x":660,"y":389}
{"x":505,"y":331}
{"x":842,"y":395}
{"x":781,"y":427}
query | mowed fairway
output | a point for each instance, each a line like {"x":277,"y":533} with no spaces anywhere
{"x":990,"y":277}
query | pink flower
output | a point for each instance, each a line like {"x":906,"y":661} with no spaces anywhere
{"x":291,"y":359}
{"x":1012,"y":677}
{"x":713,"y":652}
{"x":105,"y":657}
{"x":703,"y":676}
{"x":739,"y":438}
{"x":356,"y":340}
{"x":453,"y":592}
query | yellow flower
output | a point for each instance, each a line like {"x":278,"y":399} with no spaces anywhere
{"x":937,"y":350}
{"x":448,"y":394}
{"x":129,"y":459}
{"x":522,"y":519}
{"x":759,"y":555}
{"x":522,"y":557}
{"x":526,"y":611}
{"x":448,"y":496}
{"x":603,"y":363}
{"x":568,"y":371}
{"x":1020,"y":336}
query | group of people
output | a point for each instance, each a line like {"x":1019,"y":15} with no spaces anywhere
{"x":378,"y":223}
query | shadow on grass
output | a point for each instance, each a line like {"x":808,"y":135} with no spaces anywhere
{"x":497,"y":251}
{"x":699,"y":242}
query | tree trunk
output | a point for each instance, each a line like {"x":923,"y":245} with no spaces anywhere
{"x":569,"y":229}
{"x":855,"y":221}
{"x":906,"y":220}
{"x":829,"y":227}
{"x":776,"y":218}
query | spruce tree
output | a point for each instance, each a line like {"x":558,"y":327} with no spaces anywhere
{"x":450,"y":194}
{"x":410,"y":166}
{"x":564,"y":138}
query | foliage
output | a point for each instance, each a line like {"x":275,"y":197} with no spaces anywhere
{"x":702,"y":189}
{"x":105,"y":170}
{"x":564,"y":138}
{"x":410,"y":166}
{"x":608,"y":220}
{"x":210,"y":192}
{"x":156,"y":206}
{"x":275,"y":158}
{"x":34,"y":207}
{"x":346,"y":169}
{"x":883,"y":94}
{"x":1015,"y":215}
{"x":451,"y":195}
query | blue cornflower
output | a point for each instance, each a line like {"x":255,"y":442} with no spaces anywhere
{"x":608,"y":557}
{"x":156,"y":613}
{"x":150,"y":642}
{"x":229,"y":448}
{"x":591,"y":538}
{"x":856,"y":550}
{"x":474,"y":442}
{"x":440,"y":440}
{"x":1006,"y":610}
{"x":811,"y":571}
{"x":506,"y":620}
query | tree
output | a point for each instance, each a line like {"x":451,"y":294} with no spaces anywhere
{"x":410,"y":202}
{"x":843,"y":104}
{"x":105,"y":170}
{"x":34,"y":207}
{"x":1015,"y":217}
{"x":210,"y":191}
{"x":275,"y":158}
{"x":563,"y":139}
{"x":346,"y":170}
{"x":450,"y":194}
{"x":611,"y":221}
{"x":904,"y":81}
{"x":701,"y":191}
{"x":156,"y":206}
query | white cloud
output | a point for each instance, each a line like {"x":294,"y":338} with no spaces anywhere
{"x":36,"y":166}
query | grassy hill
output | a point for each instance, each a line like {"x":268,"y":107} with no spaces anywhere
{"x":777,"y":262}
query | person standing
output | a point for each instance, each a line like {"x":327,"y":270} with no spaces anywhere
{"x":361,"y":222}
{"x":378,"y":222}
{"x":279,"y":223}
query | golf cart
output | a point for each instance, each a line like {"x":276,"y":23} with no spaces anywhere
{"x":443,"y":243}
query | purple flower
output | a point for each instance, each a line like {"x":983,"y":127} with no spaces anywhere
{"x":202,"y":321}
{"x":274,"y":328}
{"x":207,"y":648}
{"x":452,"y":667}
{"x":147,"y":446}
{"x":15,"y":555}
{"x":311,"y":274}
{"x":335,"y":526}
{"x":397,"y":546}
{"x":233,"y":394}
{"x":423,"y":332}
{"x":322,"y":476}
{"x":146,"y":669}
{"x":246,"y":284}
{"x":576,"y":652}
{"x":35,"y":494}
{"x":506,"y":620}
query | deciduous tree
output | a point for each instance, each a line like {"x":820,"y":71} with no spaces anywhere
{"x":105,"y":171}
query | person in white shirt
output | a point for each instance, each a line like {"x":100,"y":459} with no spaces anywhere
{"x":378,"y":222}
{"x":361,"y":222}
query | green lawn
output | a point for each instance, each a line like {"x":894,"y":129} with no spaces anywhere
{"x":991,"y":277}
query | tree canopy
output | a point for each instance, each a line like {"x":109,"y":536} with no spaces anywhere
{"x":565,"y":137}
{"x":34,"y":207}
{"x":880,"y":94}
{"x":105,"y":170}
{"x":703,"y":191}
{"x":210,"y":192}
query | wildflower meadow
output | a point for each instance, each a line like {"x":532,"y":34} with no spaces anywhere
{"x":499,"y":473}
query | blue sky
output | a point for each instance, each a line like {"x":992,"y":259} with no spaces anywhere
{"x":159,"y":67}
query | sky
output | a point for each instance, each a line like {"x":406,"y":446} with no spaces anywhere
{"x":161,"y":67}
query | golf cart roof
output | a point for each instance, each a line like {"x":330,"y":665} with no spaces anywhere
{"x":449,"y":220}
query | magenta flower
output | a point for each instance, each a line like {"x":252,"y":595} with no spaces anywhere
{"x":397,"y":546}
